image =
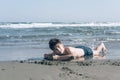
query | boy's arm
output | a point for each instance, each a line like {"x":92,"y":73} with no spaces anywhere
{"x":51,"y":56}
{"x":63,"y":58}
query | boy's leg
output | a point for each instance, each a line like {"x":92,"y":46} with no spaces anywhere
{"x":98,"y":49}
{"x":101,"y":47}
{"x":99,"y":57}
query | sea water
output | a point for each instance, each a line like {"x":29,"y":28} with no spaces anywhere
{"x":23,"y":40}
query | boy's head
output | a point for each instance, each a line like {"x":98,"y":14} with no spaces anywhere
{"x":53,"y":42}
{"x":56,"y":45}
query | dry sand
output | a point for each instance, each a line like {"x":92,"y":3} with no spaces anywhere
{"x":54,"y":70}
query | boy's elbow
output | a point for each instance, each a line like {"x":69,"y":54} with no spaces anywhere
{"x":45,"y":55}
{"x":48,"y":57}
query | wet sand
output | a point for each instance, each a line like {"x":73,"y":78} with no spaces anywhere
{"x":56,"y":70}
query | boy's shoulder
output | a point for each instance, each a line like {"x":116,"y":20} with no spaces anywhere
{"x":70,"y":48}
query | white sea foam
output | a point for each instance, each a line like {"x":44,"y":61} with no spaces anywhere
{"x":41,"y":25}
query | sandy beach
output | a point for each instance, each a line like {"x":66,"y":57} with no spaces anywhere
{"x":31,"y":29}
{"x":55,"y":70}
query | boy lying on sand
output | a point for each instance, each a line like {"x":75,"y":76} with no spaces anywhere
{"x":62,"y":53}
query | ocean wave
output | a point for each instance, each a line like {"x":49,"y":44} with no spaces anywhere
{"x":41,"y":25}
{"x":114,"y":33}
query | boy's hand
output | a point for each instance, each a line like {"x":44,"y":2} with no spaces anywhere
{"x":55,"y":57}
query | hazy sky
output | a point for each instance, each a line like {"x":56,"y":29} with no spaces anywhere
{"x":59,"y":10}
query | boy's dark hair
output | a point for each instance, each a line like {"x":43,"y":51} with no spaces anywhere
{"x":53,"y":42}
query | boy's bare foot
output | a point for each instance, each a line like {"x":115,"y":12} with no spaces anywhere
{"x":104,"y":50}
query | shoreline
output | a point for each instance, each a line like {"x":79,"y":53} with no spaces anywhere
{"x":60,"y":70}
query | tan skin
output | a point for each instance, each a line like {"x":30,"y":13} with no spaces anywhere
{"x":62,"y":53}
